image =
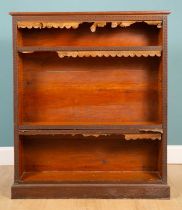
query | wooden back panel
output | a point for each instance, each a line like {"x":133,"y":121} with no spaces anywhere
{"x":89,"y":91}
{"x":78,"y":153}
{"x":138,"y":34}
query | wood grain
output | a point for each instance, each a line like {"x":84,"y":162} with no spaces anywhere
{"x":81,"y":94}
{"x":79,"y":153}
{"x":129,"y":177}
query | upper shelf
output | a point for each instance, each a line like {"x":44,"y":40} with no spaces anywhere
{"x":88,"y":34}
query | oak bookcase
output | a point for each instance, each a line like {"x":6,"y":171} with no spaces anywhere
{"x":90,"y":104}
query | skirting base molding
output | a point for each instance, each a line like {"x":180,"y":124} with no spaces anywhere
{"x":105,"y":191}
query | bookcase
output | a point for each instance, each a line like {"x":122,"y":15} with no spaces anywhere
{"x":90,"y":105}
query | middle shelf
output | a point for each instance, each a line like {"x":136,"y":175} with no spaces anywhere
{"x":62,"y":52}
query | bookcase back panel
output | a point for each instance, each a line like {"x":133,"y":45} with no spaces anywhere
{"x":75,"y":91}
{"x":138,"y":34}
{"x":49,"y":157}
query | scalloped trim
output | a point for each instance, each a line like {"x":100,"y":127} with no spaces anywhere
{"x":128,"y":23}
{"x":151,"y":136}
{"x":75,"y":25}
{"x":155,"y":130}
{"x":148,"y":136}
{"x":81,"y":54}
{"x":158,"y":23}
{"x":29,"y":25}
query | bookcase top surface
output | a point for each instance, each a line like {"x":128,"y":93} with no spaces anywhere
{"x":90,"y":13}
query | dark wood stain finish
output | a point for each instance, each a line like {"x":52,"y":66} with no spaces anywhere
{"x":71,"y":114}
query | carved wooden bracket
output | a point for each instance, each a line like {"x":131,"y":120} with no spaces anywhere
{"x":97,"y":24}
{"x":75,"y":25}
{"x":139,"y":53}
{"x":147,"y":136}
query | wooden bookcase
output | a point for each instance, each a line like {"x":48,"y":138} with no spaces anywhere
{"x":90,"y":104}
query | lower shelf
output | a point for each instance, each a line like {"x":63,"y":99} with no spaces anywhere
{"x":91,"y":176}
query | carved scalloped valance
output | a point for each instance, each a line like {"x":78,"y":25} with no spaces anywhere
{"x":148,"y":136}
{"x":67,"y":25}
{"x":75,"y":25}
{"x":140,"y":53}
{"x":138,"y":136}
{"x":128,"y":23}
{"x":158,"y":23}
{"x":154,"y":130}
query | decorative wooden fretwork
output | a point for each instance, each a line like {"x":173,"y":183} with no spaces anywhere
{"x":115,"y":24}
{"x":67,"y":25}
{"x":137,"y":136}
{"x":156,"y":130}
{"x":97,"y":24}
{"x":75,"y":25}
{"x":146,"y":136}
{"x":138,"y":53}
